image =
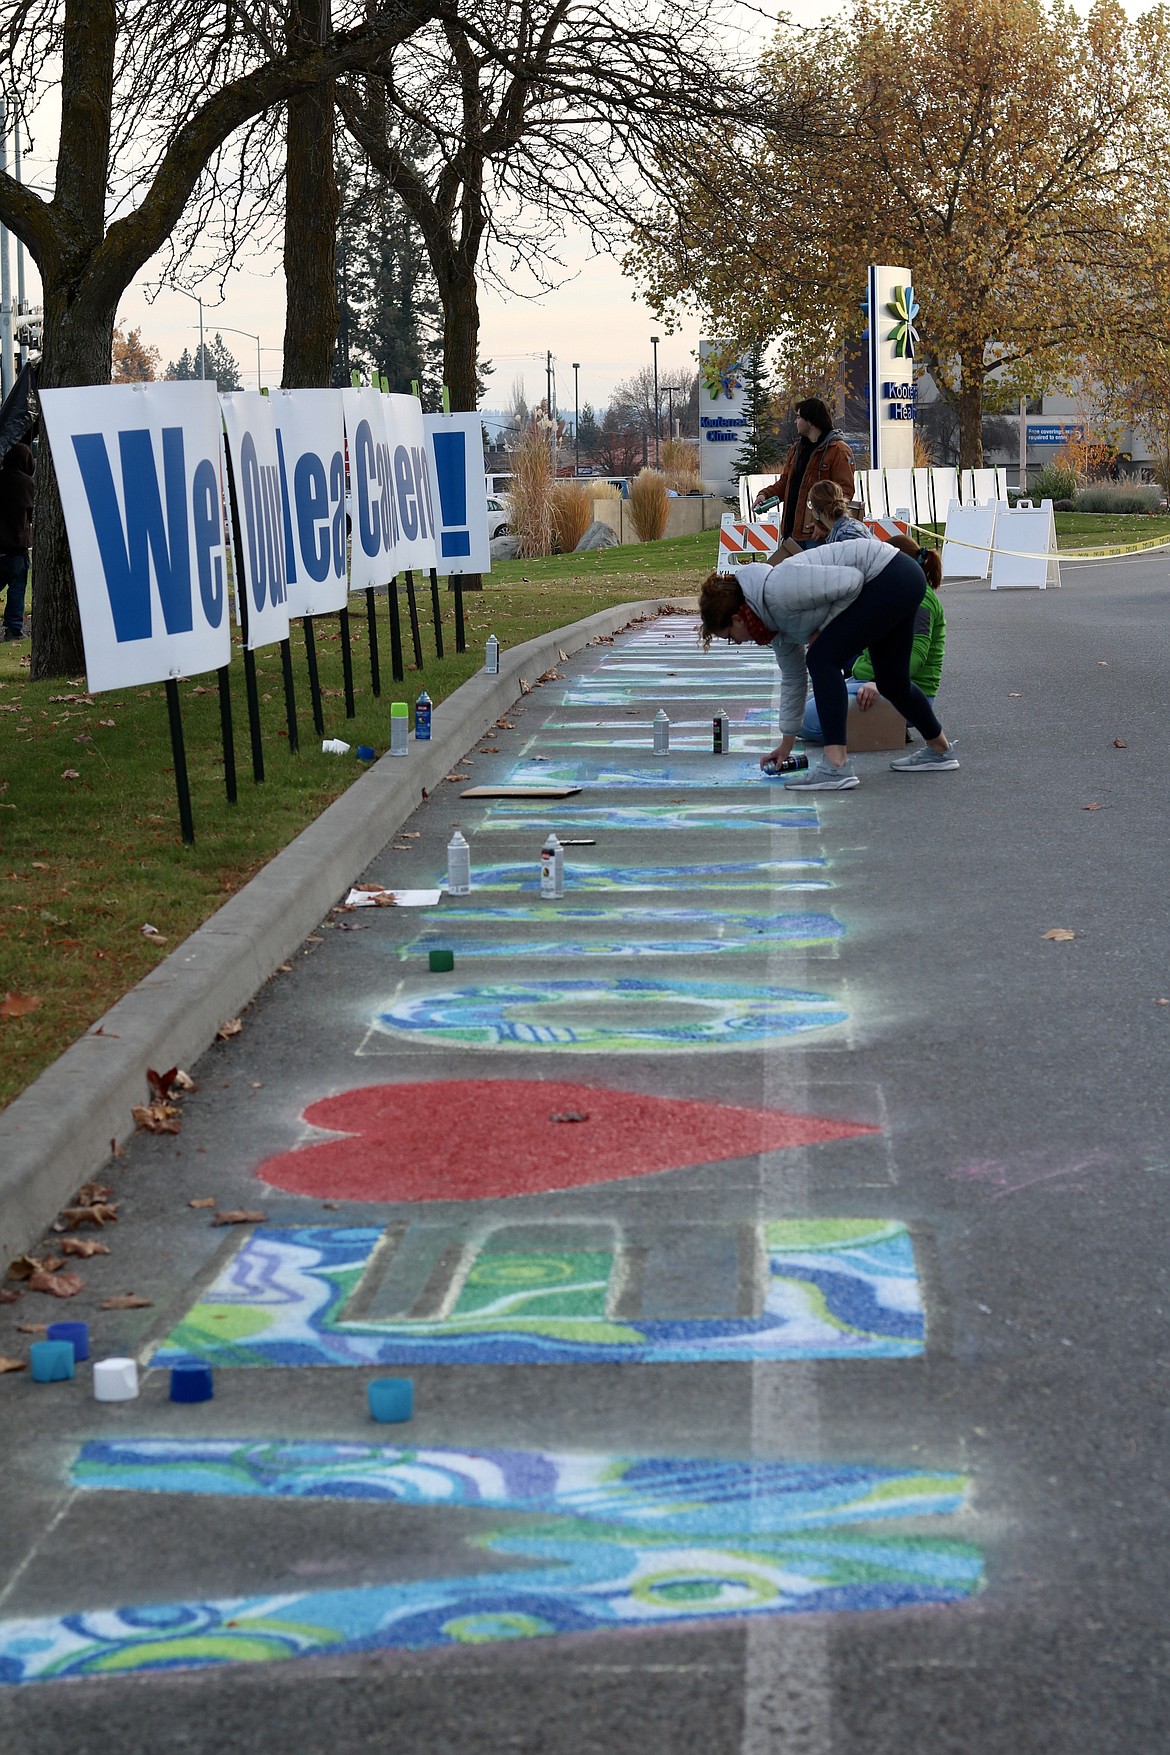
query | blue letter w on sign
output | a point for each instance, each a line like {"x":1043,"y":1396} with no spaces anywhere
{"x":127,"y":548}
{"x":451,"y":462}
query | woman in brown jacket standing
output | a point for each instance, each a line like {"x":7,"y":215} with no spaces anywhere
{"x":819,"y":454}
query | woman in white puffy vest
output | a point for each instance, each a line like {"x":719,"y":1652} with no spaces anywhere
{"x":818,"y":611}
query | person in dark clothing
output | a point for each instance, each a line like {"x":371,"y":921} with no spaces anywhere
{"x":819,"y":454}
{"x":16,"y":515}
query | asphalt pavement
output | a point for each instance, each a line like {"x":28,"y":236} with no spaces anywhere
{"x":772,"y":1230}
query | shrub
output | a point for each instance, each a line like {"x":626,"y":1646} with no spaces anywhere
{"x":649,"y":504}
{"x":680,"y":465}
{"x":1120,"y":496}
{"x":603,"y":490}
{"x":1052,"y":483}
{"x":572,"y":514}
{"x":530,"y":497}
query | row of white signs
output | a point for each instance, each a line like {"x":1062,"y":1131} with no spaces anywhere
{"x":143,"y":470}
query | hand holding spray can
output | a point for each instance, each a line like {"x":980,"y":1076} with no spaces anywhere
{"x":552,"y":869}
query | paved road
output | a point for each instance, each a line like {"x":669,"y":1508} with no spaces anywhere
{"x":773,"y":1231}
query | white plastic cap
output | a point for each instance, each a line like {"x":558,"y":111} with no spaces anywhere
{"x":115,"y":1380}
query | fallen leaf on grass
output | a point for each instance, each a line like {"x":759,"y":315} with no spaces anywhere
{"x":157,"y":1117}
{"x":152,"y":932}
{"x":1060,"y":934}
{"x":7,"y":1364}
{"x":229,"y":1028}
{"x":1119,"y":743}
{"x":57,"y":1285}
{"x":203,"y":1201}
{"x":83,"y":1246}
{"x":71,"y":774}
{"x":18,"y":1005}
{"x":240,"y":1218}
{"x":126,"y":1301}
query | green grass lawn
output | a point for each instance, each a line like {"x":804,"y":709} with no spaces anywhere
{"x":87,"y":862}
{"x":1104,"y":529}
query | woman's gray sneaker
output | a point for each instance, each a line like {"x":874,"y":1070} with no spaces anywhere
{"x":926,"y":761}
{"x":822,"y":776}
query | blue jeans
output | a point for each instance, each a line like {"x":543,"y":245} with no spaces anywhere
{"x":810,"y":731}
{"x":14,"y":577}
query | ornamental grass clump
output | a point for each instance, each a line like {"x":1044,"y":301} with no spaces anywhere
{"x":530,"y":496}
{"x":649,"y":505}
{"x":680,"y":465}
{"x":572,"y":513}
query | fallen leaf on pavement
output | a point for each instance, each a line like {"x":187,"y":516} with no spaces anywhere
{"x":99,"y":1214}
{"x":9,"y":1295}
{"x":92,"y":1194}
{"x":125,"y":1301}
{"x":410,"y":834}
{"x":18,"y":1005}
{"x":1013,"y":697}
{"x":1060,"y":934}
{"x":1119,"y":743}
{"x":549,"y":676}
{"x":240,"y":1218}
{"x":57,"y":1285}
{"x":369,"y":889}
{"x":458,"y":776}
{"x":157,"y":1117}
{"x":12,"y":1364}
{"x":525,"y":688}
{"x":32,"y":1328}
{"x":21,"y":1266}
{"x":183,"y":1082}
{"x":116,"y":1150}
{"x":230,"y":1027}
{"x":504,"y":725}
{"x":563,"y":656}
{"x":1090,"y":807}
{"x":1104,"y":663}
{"x":160,"y":1083}
{"x":571,"y":1115}
{"x":208,"y":1201}
{"x":386,"y":899}
{"x":83,"y":1246}
{"x":489,"y":749}
{"x":1156,"y":1002}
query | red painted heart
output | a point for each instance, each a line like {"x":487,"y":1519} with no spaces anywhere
{"x":486,"y":1139}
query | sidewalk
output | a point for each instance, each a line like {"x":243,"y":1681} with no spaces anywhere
{"x":771,"y":1230}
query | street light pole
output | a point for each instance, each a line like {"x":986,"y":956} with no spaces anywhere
{"x":576,"y":421}
{"x":654,"y":345}
{"x":233,"y":331}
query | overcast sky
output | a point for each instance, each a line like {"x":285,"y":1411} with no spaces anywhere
{"x":596,"y":318}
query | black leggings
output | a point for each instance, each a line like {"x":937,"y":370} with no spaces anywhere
{"x":882,"y":618}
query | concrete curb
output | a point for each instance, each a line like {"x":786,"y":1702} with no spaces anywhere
{"x":57,"y":1134}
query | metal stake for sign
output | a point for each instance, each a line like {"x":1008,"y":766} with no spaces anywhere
{"x":226,"y":732}
{"x":372,"y":626}
{"x":412,"y":606}
{"x":460,"y":635}
{"x":290,"y":701}
{"x":179,"y":754}
{"x":437,"y":613}
{"x":395,"y":632}
{"x":347,"y":665}
{"x":253,"y":714}
{"x":314,"y":678}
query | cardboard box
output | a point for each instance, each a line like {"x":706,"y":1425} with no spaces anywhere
{"x":880,"y":728}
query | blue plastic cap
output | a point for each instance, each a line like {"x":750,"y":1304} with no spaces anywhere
{"x":364,"y":753}
{"x":391,"y":1399}
{"x":51,"y":1361}
{"x":76,"y":1333}
{"x":192,"y":1381}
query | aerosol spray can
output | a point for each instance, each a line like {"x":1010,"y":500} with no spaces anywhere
{"x":552,"y":868}
{"x":491,"y":658}
{"x":458,"y":865}
{"x":793,"y":764}
{"x":399,"y":728}
{"x":422,"y":718}
{"x":720,"y":734}
{"x":661,"y":733}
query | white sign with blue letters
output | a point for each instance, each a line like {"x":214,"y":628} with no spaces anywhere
{"x":310,"y":443}
{"x":261,"y":571}
{"x":139,"y":474}
{"x":457,"y":470}
{"x":373,"y":516}
{"x":414,"y":498}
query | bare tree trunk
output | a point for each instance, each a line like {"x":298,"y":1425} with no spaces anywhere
{"x":970,"y":408}
{"x":311,"y":214}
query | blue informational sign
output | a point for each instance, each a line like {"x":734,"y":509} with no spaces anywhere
{"x":139,"y":474}
{"x":1054,"y":433}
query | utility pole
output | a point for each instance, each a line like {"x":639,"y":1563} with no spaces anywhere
{"x":1023,"y":445}
{"x":576,"y":421}
{"x":670,"y":404}
{"x":654,"y":345}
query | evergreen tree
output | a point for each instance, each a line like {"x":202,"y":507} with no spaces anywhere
{"x":388,"y":304}
{"x":214,"y":361}
{"x":760,"y":446}
{"x":588,"y":431}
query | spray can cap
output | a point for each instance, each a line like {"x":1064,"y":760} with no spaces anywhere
{"x":456,"y":837}
{"x":423,"y":696}
{"x":399,"y":710}
{"x":662,"y":714}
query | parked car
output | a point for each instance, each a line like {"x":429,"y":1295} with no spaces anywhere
{"x":498,"y":518}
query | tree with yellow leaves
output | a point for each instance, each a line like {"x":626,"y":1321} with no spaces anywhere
{"x":1015,"y":156}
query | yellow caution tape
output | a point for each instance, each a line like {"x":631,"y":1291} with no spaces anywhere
{"x":1157,"y":544}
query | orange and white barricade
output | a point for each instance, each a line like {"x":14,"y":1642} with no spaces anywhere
{"x":745,"y":540}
